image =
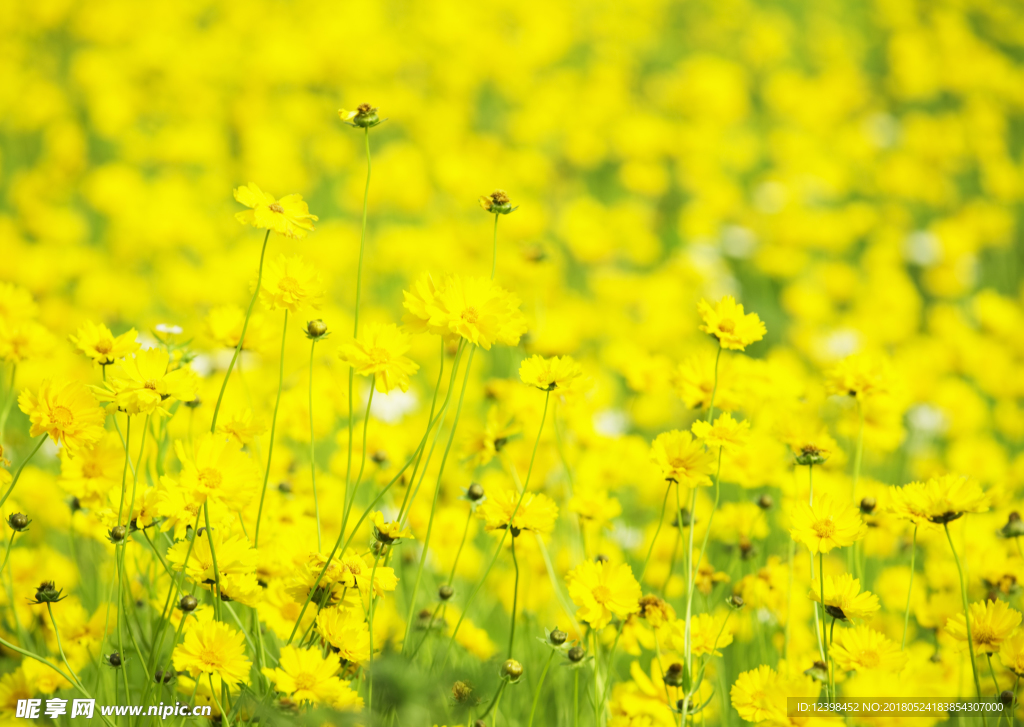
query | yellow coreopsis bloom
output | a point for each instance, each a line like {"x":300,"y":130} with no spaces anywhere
{"x":305,"y":675}
{"x":1011,"y":652}
{"x":288,"y":216}
{"x":548,"y":374}
{"x":727,"y":322}
{"x":602,"y":590}
{"x":909,"y":502}
{"x":478,"y":310}
{"x":215,"y":467}
{"x":378,"y":352}
{"x":843,"y":598}
{"x":682,"y":458}
{"x":948,"y":497}
{"x":537,"y":513}
{"x":141,"y":383}
{"x":291,"y":283}
{"x":862,"y":648}
{"x":755,"y":696}
{"x":826,"y":525}
{"x":346,"y":630}
{"x":708,"y":633}
{"x":389,"y":532}
{"x":860,"y":375}
{"x":725,"y":432}
{"x":212,"y":647}
{"x":66,"y":411}
{"x":97,"y":342}
{"x":992,"y":623}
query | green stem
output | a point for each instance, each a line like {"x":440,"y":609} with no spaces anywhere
{"x":821,"y":577}
{"x":437,"y":492}
{"x":369,"y":676}
{"x":362,"y":464}
{"x":598,"y":696}
{"x":714,"y":388}
{"x":9,"y":400}
{"x":312,"y":449}
{"x":910,"y":590}
{"x":689,"y":592}
{"x":213,"y":555}
{"x":60,"y":647}
{"x":273,"y":432}
{"x":576,"y":699}
{"x":359,"y":295}
{"x":494,"y":253}
{"x":241,"y":338}
{"x":455,"y":564}
{"x":430,"y":420}
{"x":967,"y":611}
{"x":515,"y":597}
{"x":992,"y":671}
{"x":7,"y":555}
{"x":501,"y":542}
{"x":494,"y":701}
{"x":213,"y":693}
{"x":540,"y":684}
{"x":21,"y":467}
{"x":657,"y":531}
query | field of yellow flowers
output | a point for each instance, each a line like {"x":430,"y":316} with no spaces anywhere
{"x":626,"y":364}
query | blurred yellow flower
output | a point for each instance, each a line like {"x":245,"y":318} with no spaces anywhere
{"x":378,"y":352}
{"x":288,"y":216}
{"x":97,"y":342}
{"x":727,"y":322}
{"x":66,"y":411}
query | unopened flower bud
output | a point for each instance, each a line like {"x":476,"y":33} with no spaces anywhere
{"x":117,"y":533}
{"x":188,"y":602}
{"x":818,"y":671}
{"x":365,"y":116}
{"x":194,"y":403}
{"x":674,"y":675}
{"x":577,"y":653}
{"x":765,"y":502}
{"x":497,"y":202}
{"x":316,"y":329}
{"x":1006,"y":697}
{"x":512,"y":669}
{"x":18,"y":521}
{"x":811,"y":454}
{"x":600,"y":558}
{"x":736,"y":601}
{"x":557,"y":637}
{"x":445,"y":592}
{"x":48,"y":593}
{"x":1014,"y":527}
{"x":475,"y":492}
{"x":164,"y":677}
{"x":461,"y":691}
{"x":114,"y":659}
{"x":867,"y":505}
{"x":684,"y":518}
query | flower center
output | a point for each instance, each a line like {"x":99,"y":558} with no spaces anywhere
{"x":304,"y":682}
{"x":105,"y":346}
{"x":209,"y":478}
{"x":824,"y":528}
{"x":210,"y":657}
{"x":727,"y":325}
{"x":277,"y":208}
{"x":470,"y":315}
{"x":288,"y":284}
{"x":378,"y":355}
{"x":602,"y":594}
{"x":677,"y":463}
{"x":869,"y":659}
{"x":983,"y":635}
{"x":91,"y":470}
{"x":62,"y":416}
{"x":150,"y":384}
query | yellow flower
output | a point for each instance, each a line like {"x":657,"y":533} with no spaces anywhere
{"x":497,"y":202}
{"x":291,"y":283}
{"x":537,"y":512}
{"x":860,"y":375}
{"x":909,"y":502}
{"x":304,"y":675}
{"x":948,"y":497}
{"x":862,"y":648}
{"x":992,"y":623}
{"x":212,"y":647}
{"x":726,"y":433}
{"x":727,"y":322}
{"x":346,"y":630}
{"x":755,"y":696}
{"x":288,"y":216}
{"x":378,"y":352}
{"x":66,"y":411}
{"x":1011,"y":652}
{"x":602,"y":590}
{"x":24,"y":340}
{"x":843,"y":598}
{"x":141,"y":383}
{"x":706,"y":577}
{"x":389,"y":532}
{"x":708,"y":633}
{"x":242,"y":426}
{"x":418,"y":303}
{"x":97,"y":342}
{"x":234,"y":556}
{"x":826,"y":525}
{"x":682,"y":458}
{"x":548,"y":374}
{"x":478,"y":310}
{"x":216,"y":468}
{"x":224,"y":327}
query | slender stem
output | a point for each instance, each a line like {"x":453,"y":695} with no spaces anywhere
{"x":515,"y":595}
{"x":213,"y":693}
{"x":494,"y":701}
{"x":494,"y":253}
{"x":657,"y":531}
{"x":9,"y":399}
{"x":455,"y":564}
{"x":437,"y":491}
{"x":714,"y":388}
{"x":359,"y":294}
{"x":540,"y":684}
{"x":689,"y":594}
{"x":789,"y":598}
{"x":700,"y":557}
{"x":312,"y":448}
{"x":576,"y":699}
{"x":124,"y":471}
{"x":817,"y":631}
{"x":598,"y":700}
{"x":241,"y":338}
{"x":7,"y":555}
{"x":430,"y":421}
{"x":21,"y":467}
{"x":369,"y":677}
{"x":60,"y":647}
{"x":967,"y":610}
{"x":821,"y":577}
{"x":362,"y":464}
{"x":992,"y":671}
{"x":273,"y":431}
{"x":213,"y":554}
{"x":501,"y":542}
{"x":1013,"y":705}
{"x":910,"y":590}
